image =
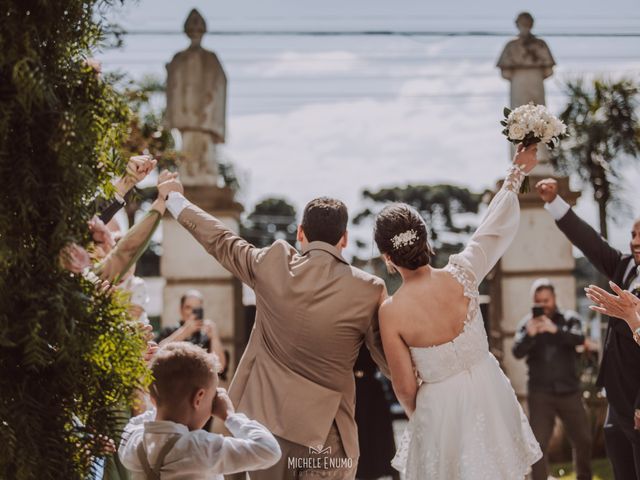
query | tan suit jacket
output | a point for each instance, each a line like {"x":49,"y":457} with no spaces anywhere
{"x":314,"y":311}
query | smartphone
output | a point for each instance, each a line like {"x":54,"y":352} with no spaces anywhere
{"x":199,"y":313}
{"x":537,"y":311}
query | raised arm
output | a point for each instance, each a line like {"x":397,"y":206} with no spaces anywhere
{"x":601,"y":255}
{"x":500,"y":224}
{"x":138,"y":168}
{"x":233,"y":252}
{"x":130,"y":247}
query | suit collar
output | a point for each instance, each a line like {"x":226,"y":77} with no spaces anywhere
{"x":325,"y":247}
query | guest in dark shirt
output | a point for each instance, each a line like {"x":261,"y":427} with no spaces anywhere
{"x":548,"y":338}
{"x":193,"y":328}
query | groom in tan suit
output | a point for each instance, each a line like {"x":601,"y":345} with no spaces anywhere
{"x":314,"y":311}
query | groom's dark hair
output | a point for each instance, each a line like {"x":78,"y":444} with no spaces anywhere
{"x":325,"y":220}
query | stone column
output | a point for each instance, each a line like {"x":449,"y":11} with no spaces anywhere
{"x":196,"y":111}
{"x":539,"y":249}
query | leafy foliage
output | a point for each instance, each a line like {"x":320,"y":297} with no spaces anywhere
{"x":604,"y":132}
{"x":69,"y":358}
{"x":439,"y":205}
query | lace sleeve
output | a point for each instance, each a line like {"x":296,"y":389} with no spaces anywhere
{"x":498,"y":228}
{"x":514,"y":179}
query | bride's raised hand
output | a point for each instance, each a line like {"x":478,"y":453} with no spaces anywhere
{"x":526,"y":157}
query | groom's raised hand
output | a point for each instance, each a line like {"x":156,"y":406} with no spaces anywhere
{"x":547,"y":189}
{"x":168,"y":182}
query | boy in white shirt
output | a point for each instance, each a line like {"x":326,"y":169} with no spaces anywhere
{"x":167,"y":443}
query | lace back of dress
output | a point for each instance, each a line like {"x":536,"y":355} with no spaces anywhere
{"x":468,"y":281}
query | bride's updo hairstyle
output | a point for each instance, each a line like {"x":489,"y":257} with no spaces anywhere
{"x":401,"y":233}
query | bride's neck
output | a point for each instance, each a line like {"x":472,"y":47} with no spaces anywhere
{"x":419,"y":273}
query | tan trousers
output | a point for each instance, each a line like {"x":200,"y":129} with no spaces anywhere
{"x":303,"y":463}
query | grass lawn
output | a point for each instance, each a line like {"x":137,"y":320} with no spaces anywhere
{"x":601,"y":470}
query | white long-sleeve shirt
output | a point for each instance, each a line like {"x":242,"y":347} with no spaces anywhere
{"x":198,"y":454}
{"x":558,"y":208}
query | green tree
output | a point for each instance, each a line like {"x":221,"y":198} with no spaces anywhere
{"x":604,"y":134}
{"x":437,"y":204}
{"x":271,"y":219}
{"x":69,"y":356}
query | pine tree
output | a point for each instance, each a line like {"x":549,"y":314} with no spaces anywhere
{"x":69,"y":357}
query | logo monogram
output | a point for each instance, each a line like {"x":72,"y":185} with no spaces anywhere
{"x":320,"y":450}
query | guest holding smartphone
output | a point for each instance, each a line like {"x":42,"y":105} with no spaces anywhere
{"x":548,"y":338}
{"x":192,"y":327}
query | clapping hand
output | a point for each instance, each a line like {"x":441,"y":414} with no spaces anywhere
{"x":624,"y":305}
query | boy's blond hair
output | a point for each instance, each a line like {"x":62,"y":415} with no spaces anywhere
{"x":180,"y":369}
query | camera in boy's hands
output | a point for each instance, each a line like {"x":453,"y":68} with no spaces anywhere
{"x":222,"y":406}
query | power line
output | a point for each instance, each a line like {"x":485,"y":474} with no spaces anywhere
{"x":389,"y":58}
{"x":381,"y":33}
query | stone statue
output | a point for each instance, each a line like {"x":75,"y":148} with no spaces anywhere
{"x":526,"y":61}
{"x":196,"y":105}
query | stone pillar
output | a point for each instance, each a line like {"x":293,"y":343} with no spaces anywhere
{"x":196,"y":108}
{"x":539,"y":249}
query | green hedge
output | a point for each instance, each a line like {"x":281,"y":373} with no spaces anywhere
{"x":69,"y":358}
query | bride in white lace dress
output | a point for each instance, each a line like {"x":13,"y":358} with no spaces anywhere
{"x":465,"y":422}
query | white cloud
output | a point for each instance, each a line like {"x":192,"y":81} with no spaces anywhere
{"x":297,"y":63}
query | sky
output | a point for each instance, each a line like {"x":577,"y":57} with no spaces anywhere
{"x":335,"y":114}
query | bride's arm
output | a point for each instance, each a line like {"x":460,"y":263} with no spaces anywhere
{"x":403,"y":378}
{"x":500,"y":224}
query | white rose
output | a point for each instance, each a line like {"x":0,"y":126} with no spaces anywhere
{"x":516,"y":132}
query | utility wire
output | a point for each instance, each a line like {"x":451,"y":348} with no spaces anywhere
{"x":386,"y":33}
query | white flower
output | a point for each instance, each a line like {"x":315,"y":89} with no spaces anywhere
{"x":517,"y":131}
{"x":534,"y":120}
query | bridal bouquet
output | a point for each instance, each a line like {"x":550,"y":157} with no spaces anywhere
{"x":529,"y":124}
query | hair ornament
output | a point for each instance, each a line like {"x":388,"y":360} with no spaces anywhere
{"x":405,"y":238}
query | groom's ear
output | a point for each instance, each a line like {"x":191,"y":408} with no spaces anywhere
{"x":301,"y":237}
{"x":344,"y":240}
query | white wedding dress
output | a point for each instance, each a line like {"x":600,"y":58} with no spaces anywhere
{"x":468,"y":424}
